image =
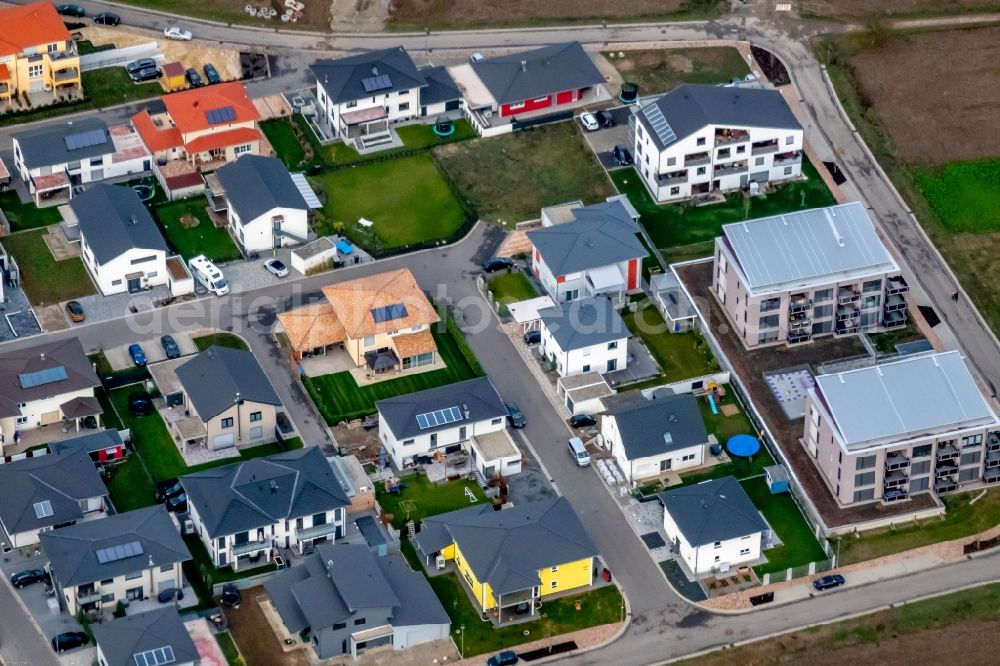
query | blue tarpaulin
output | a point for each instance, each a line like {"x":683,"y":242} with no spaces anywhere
{"x":743,"y":446}
{"x":344,"y":247}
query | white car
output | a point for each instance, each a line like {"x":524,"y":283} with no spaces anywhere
{"x":277,"y":267}
{"x":589,"y":121}
{"x":177,"y":32}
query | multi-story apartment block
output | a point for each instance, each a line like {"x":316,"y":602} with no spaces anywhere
{"x":700,"y":138}
{"x":789,"y":278}
{"x":37,"y":53}
{"x":884,"y":432}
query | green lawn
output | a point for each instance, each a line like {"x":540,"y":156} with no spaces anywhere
{"x":189,"y":230}
{"x":680,"y":355}
{"x":510,"y":178}
{"x":558,"y":616}
{"x":150,"y":439}
{"x":26,"y":216}
{"x":661,"y":70}
{"x":203,"y":342}
{"x":285,"y":143}
{"x":407,"y":199}
{"x":885,"y":343}
{"x":414,"y":137}
{"x":229,"y":649}
{"x":109,"y":419}
{"x":112,"y":85}
{"x":961,"y":519}
{"x":208,"y":574}
{"x":956,"y":194}
{"x":339,"y":398}
{"x":511,"y":287}
{"x":45,"y":280}
{"x":673,"y":225}
{"x":798,"y":544}
{"x":129,"y":486}
{"x":420,"y":498}
{"x":742,"y":468}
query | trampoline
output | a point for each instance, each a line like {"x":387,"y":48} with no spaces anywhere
{"x":629,"y":93}
{"x":444,"y":127}
{"x":145,"y":192}
{"x":344,"y":246}
{"x":743,"y":446}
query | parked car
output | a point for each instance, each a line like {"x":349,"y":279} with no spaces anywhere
{"x":515,"y":415}
{"x":589,"y":122}
{"x":136,"y":354}
{"x":582,"y":421}
{"x":140,"y":404}
{"x":75,"y":11}
{"x":140,"y":64}
{"x":170,"y":347}
{"x":27,"y":577}
{"x":193,"y":77}
{"x":75,"y":311}
{"x":606,"y":118}
{"x":177,"y":503}
{"x":505,"y":658}
{"x":167,"y":489}
{"x":177,"y":32}
{"x":69,"y":641}
{"x":170,"y":594}
{"x":211,"y":73}
{"x":494,"y":264}
{"x":148,"y":74}
{"x":477,"y":57}
{"x":277,"y":267}
{"x":578,"y":452}
{"x":230,"y":596}
{"x":107,"y":18}
{"x":621,"y":155}
{"x":828,"y":582}
{"x":532,"y":337}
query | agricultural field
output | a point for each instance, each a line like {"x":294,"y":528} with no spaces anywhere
{"x":858,"y":9}
{"x":660,"y":70}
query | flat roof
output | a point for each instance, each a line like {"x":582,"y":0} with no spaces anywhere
{"x":527,"y":311}
{"x":808,"y":247}
{"x":496,"y":445}
{"x":903,"y":399}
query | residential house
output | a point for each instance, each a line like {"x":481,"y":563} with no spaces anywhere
{"x":145,"y":639}
{"x":583,"y":336}
{"x":53,"y":160}
{"x":514,"y":557}
{"x":673,"y":302}
{"x":125,"y":557}
{"x":792,"y":277}
{"x":103,"y":446}
{"x":468,"y":416}
{"x":656,"y":436}
{"x":10,"y":272}
{"x":714,"y":525}
{"x":45,"y":384}
{"x":265,"y":209}
{"x":702,"y":138}
{"x":383,"y":322}
{"x":350,"y":601}
{"x":38,"y":493}
{"x":227,"y":399}
{"x":120,"y":244}
{"x":588,"y":251}
{"x":441,"y":95}
{"x":913,"y":425}
{"x":246,"y":510}
{"x":37,"y":53}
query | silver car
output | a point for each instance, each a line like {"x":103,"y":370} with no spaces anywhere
{"x":177,"y":32}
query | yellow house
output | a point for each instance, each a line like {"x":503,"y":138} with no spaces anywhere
{"x":37,"y":53}
{"x":512,"y":558}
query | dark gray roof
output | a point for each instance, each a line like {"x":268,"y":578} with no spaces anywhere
{"x":675,"y":300}
{"x":113,"y":220}
{"x":61,"y":479}
{"x":417,"y":602}
{"x":479,"y":395}
{"x":355,"y":572}
{"x":91,"y":442}
{"x":123,"y":638}
{"x":601,"y":235}
{"x":691,"y":106}
{"x":537,"y":73}
{"x":47,"y":356}
{"x":661,"y":425}
{"x":508,"y":548}
{"x":219,"y":377}
{"x":583,"y":323}
{"x":440,"y":86}
{"x":342,"y":78}
{"x":259,"y":492}
{"x":72,"y":550}
{"x":712,"y":511}
{"x":45,"y":146}
{"x":255,"y":185}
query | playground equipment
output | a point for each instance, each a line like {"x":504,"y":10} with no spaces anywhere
{"x":711,"y":403}
{"x":715,"y":392}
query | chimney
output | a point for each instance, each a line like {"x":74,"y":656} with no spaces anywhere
{"x":524,"y":65}
{"x":465,"y":409}
{"x":42,"y":355}
{"x":274,"y":487}
{"x":374,"y":70}
{"x":133,"y":220}
{"x":668,"y":439}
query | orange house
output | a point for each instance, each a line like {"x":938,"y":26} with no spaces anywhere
{"x":37,"y":53}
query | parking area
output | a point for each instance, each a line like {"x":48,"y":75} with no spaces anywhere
{"x":119,"y":359}
{"x":602,"y":141}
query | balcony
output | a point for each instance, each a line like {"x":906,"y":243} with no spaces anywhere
{"x":946,"y":468}
{"x":894,"y":319}
{"x":799,"y":303}
{"x":764,"y":147}
{"x":896,"y":285}
{"x":56,"y":56}
{"x":697,"y":159}
{"x":895,"y":479}
{"x":845,"y":327}
{"x":68,"y":74}
{"x":945,"y":485}
{"x":895,"y":461}
{"x":894,"y":495}
{"x":894,"y":302}
{"x":87,"y":595}
{"x":799,"y":321}
{"x":785,"y":159}
{"x":993,"y":459}
{"x":795,"y":337}
{"x":729,"y":169}
{"x":4,"y":88}
{"x":317,"y":531}
{"x":992,"y":475}
{"x":250,"y":547}
{"x":848,"y":295}
{"x":672,"y":178}
{"x":725,"y":137}
{"x":846,"y":312}
{"x":993,"y":442}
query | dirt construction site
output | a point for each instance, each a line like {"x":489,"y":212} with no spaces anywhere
{"x":472,"y":12}
{"x":854,"y":9}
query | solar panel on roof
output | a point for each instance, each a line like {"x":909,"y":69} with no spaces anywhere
{"x":42,"y":377}
{"x":660,"y":125}
{"x":374,"y":83}
{"x":439,"y":417}
{"x":43,"y":509}
{"x":85,"y":139}
{"x":120,"y":552}
{"x":389,"y":312}
{"x":226,"y":114}
{"x":155,"y":657}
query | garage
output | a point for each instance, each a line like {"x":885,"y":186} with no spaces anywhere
{"x":223,"y":441}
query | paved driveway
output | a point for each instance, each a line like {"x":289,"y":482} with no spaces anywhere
{"x":603,"y":141}
{"x":119,"y":359}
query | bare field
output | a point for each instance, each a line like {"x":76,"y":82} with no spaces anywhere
{"x":855,"y":9}
{"x":664,"y":69}
{"x":454,"y":13}
{"x":935,"y":107}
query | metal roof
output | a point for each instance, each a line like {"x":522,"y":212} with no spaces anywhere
{"x":714,"y":510}
{"x":137,"y":638}
{"x":659,"y":426}
{"x":306,"y":190}
{"x":256,"y":185}
{"x":219,"y":377}
{"x":808,"y":247}
{"x":113,"y":220}
{"x":583,"y":323}
{"x":902,"y":399}
{"x":537,"y":73}
{"x":344,"y":79}
{"x":64,"y":142}
{"x":672,"y":296}
{"x":403,"y":414}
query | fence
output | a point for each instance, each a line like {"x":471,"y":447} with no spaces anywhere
{"x":690,"y":385}
{"x":117,"y":57}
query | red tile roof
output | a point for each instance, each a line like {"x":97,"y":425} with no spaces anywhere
{"x":233,"y":137}
{"x":189,"y":109}
{"x":173,"y":69}
{"x":4,"y":72}
{"x":192,"y":179}
{"x":156,"y":139}
{"x":30,"y":25}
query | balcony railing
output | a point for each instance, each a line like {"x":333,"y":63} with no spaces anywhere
{"x":727,"y":169}
{"x":68,"y":74}
{"x":847,"y":295}
{"x":895,"y":479}
{"x":764,"y":147}
{"x":947,"y":452}
{"x":897,"y":461}
{"x":250,"y":547}
{"x":947,"y":468}
{"x":894,"y":302}
{"x":62,"y":55}
{"x":895,"y":319}
{"x":795,"y":337}
{"x":945,"y":485}
{"x":697,"y":159}
{"x":784,"y":159}
{"x":799,"y":321}
{"x":846,"y":312}
{"x":993,"y":442}
{"x":87,"y":596}
{"x":726,"y":137}
{"x":317,"y":531}
{"x":992,"y":475}
{"x":672,"y":178}
{"x":844,"y":327}
{"x":799,"y":303}
{"x":993,"y":459}
{"x":896,"y":285}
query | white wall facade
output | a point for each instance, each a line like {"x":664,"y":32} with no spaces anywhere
{"x":604,"y":357}
{"x":88,"y":170}
{"x":30,"y":537}
{"x":39,"y":412}
{"x":639,"y":469}
{"x":150,"y":581}
{"x":401,"y":105}
{"x":257,"y":235}
{"x":574,"y":286}
{"x":402,"y":452}
{"x":713,"y":557}
{"x":110,"y":277}
{"x":404,"y":637}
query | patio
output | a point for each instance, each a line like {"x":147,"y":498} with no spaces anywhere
{"x":335,"y":359}
{"x":639,"y":366}
{"x":53,"y":432}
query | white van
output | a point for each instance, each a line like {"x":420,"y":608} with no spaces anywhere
{"x":209,"y":275}
{"x":579,"y":452}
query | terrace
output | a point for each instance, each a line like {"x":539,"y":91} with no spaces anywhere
{"x":725,"y":136}
{"x":697,"y":159}
{"x":896,"y":285}
{"x":672,"y":178}
{"x":847,"y":295}
{"x":727,"y":169}
{"x":793,"y":157}
{"x":764,"y":147}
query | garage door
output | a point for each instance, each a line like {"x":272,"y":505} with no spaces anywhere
{"x":223,"y":441}
{"x":50,"y":417}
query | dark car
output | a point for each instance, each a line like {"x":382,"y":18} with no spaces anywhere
{"x":621,"y":155}
{"x":230,"y":596}
{"x":170,"y":347}
{"x":170,"y":594}
{"x":177,"y":503}
{"x":582,"y":421}
{"x":136,"y":354}
{"x":147,"y":74}
{"x":167,"y":489}
{"x":69,"y":641}
{"x":505,"y":658}
{"x":828,"y":582}
{"x":532,"y":337}
{"x":211,"y":73}
{"x":71,"y":10}
{"x":75,"y":311}
{"x":514,"y":415}
{"x":193,"y":77}
{"x":27,"y":577}
{"x":140,"y":404}
{"x":494,"y":264}
{"x":605,"y":118}
{"x":107,"y":18}
{"x":141,"y":63}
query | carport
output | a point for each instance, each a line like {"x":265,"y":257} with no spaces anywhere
{"x":525,"y":313}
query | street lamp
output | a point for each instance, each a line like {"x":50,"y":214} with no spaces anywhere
{"x":462,"y":649}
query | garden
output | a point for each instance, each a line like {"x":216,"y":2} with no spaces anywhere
{"x":45,"y":280}
{"x":23,"y":216}
{"x":203,"y":342}
{"x":680,"y":355}
{"x":511,"y":287}
{"x":419,"y":498}
{"x":661,"y":70}
{"x":190,"y":231}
